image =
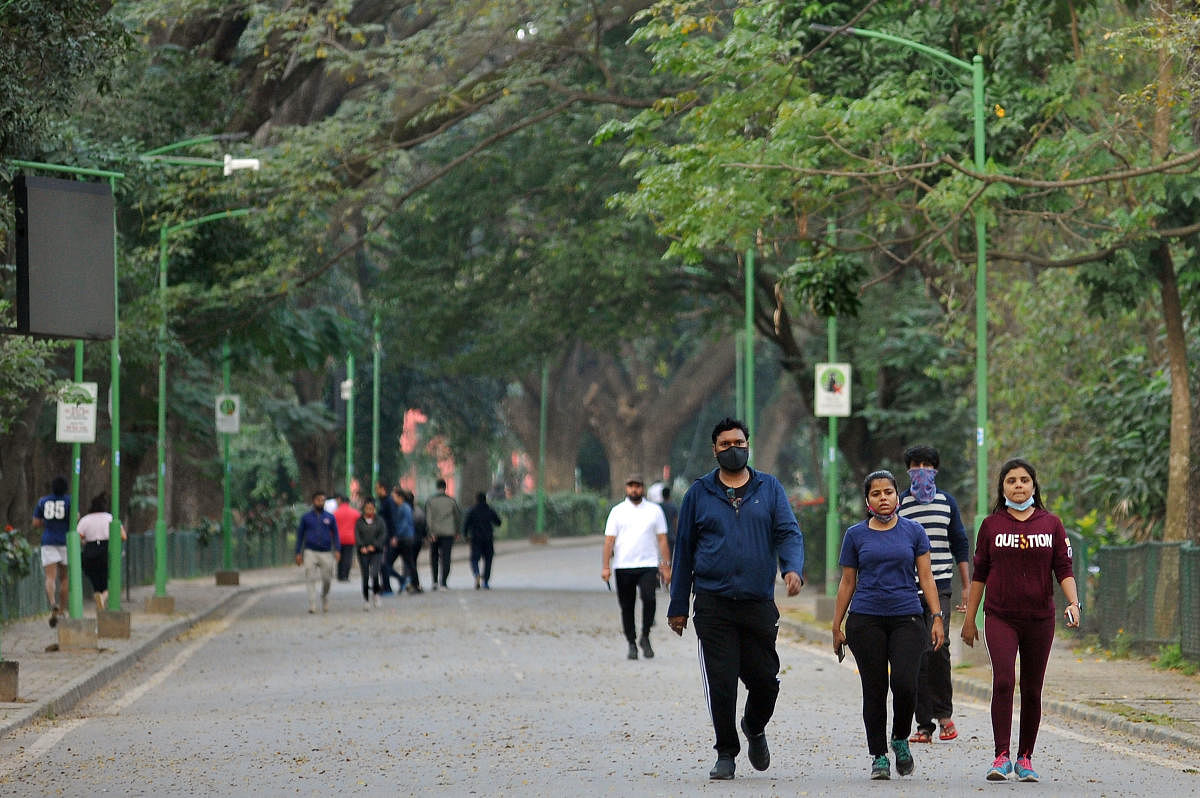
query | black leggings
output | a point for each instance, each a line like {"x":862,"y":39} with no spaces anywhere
{"x":1032,"y":638}
{"x":368,"y":566}
{"x":877,"y":642}
{"x":95,"y":564}
{"x":631,"y":582}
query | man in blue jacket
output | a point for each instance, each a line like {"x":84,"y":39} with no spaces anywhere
{"x":317,"y":549}
{"x":735,"y":524}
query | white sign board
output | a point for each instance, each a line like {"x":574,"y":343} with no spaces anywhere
{"x":229,"y":410}
{"x":77,"y":422}
{"x":832,"y":389}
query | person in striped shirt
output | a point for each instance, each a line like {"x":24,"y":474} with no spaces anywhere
{"x":949,"y":549}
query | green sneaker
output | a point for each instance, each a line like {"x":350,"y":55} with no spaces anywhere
{"x":881,"y":768}
{"x":904,"y":760}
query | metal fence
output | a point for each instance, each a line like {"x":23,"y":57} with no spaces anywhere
{"x":1140,"y":594}
{"x":189,"y":554}
{"x":1189,"y":601}
{"x":1081,"y":565}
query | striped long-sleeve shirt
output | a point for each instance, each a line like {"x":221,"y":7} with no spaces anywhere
{"x":948,"y":543}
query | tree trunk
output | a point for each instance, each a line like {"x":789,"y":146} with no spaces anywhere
{"x":777,"y":425}
{"x":474,"y":475}
{"x":636,"y":415}
{"x":1176,"y":526}
{"x":314,"y":449}
{"x":565,"y":422}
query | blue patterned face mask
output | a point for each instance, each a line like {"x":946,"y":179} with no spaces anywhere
{"x":923,"y":486}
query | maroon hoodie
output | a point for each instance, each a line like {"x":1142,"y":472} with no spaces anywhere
{"x":1019,"y":562}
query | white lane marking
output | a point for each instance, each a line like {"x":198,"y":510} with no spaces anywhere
{"x":182,"y":657}
{"x":45,"y":742}
{"x":518,"y":675}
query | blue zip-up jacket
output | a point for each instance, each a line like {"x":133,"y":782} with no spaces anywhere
{"x":317,"y":531}
{"x":402,"y":515}
{"x":733,"y":552}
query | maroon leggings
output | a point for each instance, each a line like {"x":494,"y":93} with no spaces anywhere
{"x":1005,"y":638}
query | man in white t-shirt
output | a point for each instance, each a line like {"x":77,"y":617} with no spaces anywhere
{"x":635,"y":545}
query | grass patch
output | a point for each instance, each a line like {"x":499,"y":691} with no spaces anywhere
{"x":1121,"y":648}
{"x":1135,"y":715}
{"x":1170,"y":658}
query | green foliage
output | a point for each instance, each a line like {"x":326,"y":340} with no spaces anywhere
{"x":272,"y":517}
{"x":48,"y":52}
{"x":16,"y":554}
{"x":29,"y":371}
{"x":566,"y":515}
{"x":1047,"y":357}
{"x":1127,"y":473}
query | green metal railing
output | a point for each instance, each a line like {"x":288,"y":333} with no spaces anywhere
{"x":189,"y":554}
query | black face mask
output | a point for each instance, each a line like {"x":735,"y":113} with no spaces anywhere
{"x":734,"y":458}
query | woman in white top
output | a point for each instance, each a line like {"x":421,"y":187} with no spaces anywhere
{"x":93,"y":534}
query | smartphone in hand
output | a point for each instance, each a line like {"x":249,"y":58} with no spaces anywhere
{"x":841,"y":651}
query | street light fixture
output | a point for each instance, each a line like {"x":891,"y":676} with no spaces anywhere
{"x":975,"y":67}
{"x":162,"y":603}
{"x":228,"y":165}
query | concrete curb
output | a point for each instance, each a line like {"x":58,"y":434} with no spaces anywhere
{"x":1050,"y":706}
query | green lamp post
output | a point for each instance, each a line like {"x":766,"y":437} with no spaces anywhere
{"x":975,"y":67}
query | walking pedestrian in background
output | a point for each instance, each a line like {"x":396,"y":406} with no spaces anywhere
{"x":1021,"y":550}
{"x":671,"y":513}
{"x":635,"y":546}
{"x":52,"y":514}
{"x":387,"y":510}
{"x":420,"y":531}
{"x":480,"y":530}
{"x":885,"y":628}
{"x":400,"y":540}
{"x":93,"y":531}
{"x":346,"y":517}
{"x":735,"y":527}
{"x":937,"y":512}
{"x":317,"y":549}
{"x":444,"y":517}
{"x":370,"y":536}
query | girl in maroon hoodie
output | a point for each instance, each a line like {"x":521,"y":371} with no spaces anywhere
{"x":1021,"y":551}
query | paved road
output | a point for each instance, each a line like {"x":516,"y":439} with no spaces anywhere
{"x":521,"y":690}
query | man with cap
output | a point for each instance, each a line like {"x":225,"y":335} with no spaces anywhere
{"x":635,"y":546}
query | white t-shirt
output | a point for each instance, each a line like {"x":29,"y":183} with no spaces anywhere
{"x":636,"y":528}
{"x":94,"y":526}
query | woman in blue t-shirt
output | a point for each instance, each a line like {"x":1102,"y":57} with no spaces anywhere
{"x":886,"y":624}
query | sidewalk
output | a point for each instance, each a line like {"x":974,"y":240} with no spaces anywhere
{"x":1129,"y":695}
{"x":1126,"y":695}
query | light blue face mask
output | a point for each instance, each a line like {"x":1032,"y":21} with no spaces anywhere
{"x":1025,"y":505}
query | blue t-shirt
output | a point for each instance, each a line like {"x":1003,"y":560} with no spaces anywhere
{"x":55,"y":510}
{"x":886,"y":561}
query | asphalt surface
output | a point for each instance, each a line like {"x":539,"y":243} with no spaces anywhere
{"x":522,"y":690}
